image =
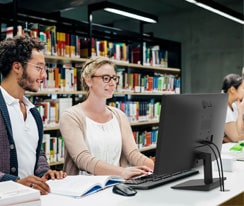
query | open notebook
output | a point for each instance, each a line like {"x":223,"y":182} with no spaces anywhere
{"x":82,"y":185}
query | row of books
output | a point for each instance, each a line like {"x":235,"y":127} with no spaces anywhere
{"x":155,"y":56}
{"x":64,"y":78}
{"x":51,"y":110}
{"x":67,"y":78}
{"x":76,"y":46}
{"x":138,"y":82}
{"x":115,"y":50}
{"x":138,"y":111}
{"x":152,"y":55}
{"x":53,"y":148}
{"x":57,"y":43}
{"x":146,"y":138}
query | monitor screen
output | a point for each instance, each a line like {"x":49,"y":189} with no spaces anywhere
{"x":187,"y":120}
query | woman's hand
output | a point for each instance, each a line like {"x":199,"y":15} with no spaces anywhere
{"x":53,"y":174}
{"x":240,"y":105}
{"x":130,"y":172}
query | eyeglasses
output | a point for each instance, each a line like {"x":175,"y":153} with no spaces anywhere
{"x":107,"y":78}
{"x":40,"y":68}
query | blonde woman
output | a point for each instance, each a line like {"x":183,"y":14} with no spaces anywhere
{"x":98,"y":138}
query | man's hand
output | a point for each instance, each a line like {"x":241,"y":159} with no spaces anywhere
{"x":35,"y":183}
{"x":40,"y":183}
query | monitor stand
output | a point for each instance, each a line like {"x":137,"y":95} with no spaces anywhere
{"x":206,"y":184}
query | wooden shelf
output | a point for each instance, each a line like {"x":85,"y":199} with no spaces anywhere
{"x":144,"y":123}
{"x":64,"y":60}
{"x":151,"y":147}
{"x":118,"y":93}
{"x":149,"y":93}
{"x":56,"y":127}
{"x":51,"y":128}
{"x":49,"y":92}
{"x":56,"y":163}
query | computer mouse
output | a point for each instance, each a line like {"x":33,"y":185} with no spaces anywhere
{"x":123,"y":189}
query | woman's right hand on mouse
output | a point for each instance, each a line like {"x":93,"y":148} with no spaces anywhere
{"x":129,"y":172}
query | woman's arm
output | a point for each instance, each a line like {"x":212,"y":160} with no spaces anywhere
{"x":231,"y":130}
{"x":234,"y":125}
{"x":130,"y":151}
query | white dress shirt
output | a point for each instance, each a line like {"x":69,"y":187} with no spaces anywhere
{"x":25,"y":134}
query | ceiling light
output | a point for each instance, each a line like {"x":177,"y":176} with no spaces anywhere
{"x":124,"y":11}
{"x":219,"y":9}
{"x":131,"y":15}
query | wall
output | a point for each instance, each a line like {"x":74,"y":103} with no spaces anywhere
{"x":211,"y":48}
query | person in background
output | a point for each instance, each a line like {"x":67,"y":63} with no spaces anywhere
{"x":22,"y":67}
{"x":233,"y":85}
{"x":98,"y":138}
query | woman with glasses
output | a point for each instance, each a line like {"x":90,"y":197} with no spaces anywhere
{"x":98,"y":138}
{"x":233,"y":85}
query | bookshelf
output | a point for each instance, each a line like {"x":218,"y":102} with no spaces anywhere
{"x":142,"y":126}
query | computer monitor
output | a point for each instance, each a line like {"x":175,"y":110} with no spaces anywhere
{"x":187,"y":122}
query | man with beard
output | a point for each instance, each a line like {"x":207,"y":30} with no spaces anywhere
{"x":22,"y":65}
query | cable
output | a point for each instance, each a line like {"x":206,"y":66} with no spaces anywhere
{"x":219,"y":169}
{"x":205,"y":143}
{"x":221,"y":165}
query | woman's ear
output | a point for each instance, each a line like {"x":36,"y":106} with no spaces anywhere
{"x":232,"y":89}
{"x":88,"y":81}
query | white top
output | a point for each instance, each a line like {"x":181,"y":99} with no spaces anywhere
{"x":104,"y":140}
{"x":231,"y":115}
{"x":25,"y":134}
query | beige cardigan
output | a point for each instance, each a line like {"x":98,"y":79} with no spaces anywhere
{"x":77,"y":156}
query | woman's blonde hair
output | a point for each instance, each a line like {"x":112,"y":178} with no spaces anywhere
{"x":90,"y":67}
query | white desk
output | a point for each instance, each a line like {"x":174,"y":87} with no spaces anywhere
{"x":163,"y":195}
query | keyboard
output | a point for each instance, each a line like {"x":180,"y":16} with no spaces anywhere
{"x":153,"y":180}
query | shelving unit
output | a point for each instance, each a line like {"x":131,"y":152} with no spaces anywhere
{"x":82,"y":29}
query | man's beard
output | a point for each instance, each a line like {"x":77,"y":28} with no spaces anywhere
{"x":25,"y":82}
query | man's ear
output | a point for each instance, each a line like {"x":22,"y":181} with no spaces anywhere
{"x":16,"y":66}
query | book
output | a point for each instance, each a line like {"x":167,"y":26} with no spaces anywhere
{"x":64,"y":103}
{"x":13,"y":193}
{"x":82,"y":185}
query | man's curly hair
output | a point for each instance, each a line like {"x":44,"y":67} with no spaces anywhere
{"x":17,"y":49}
